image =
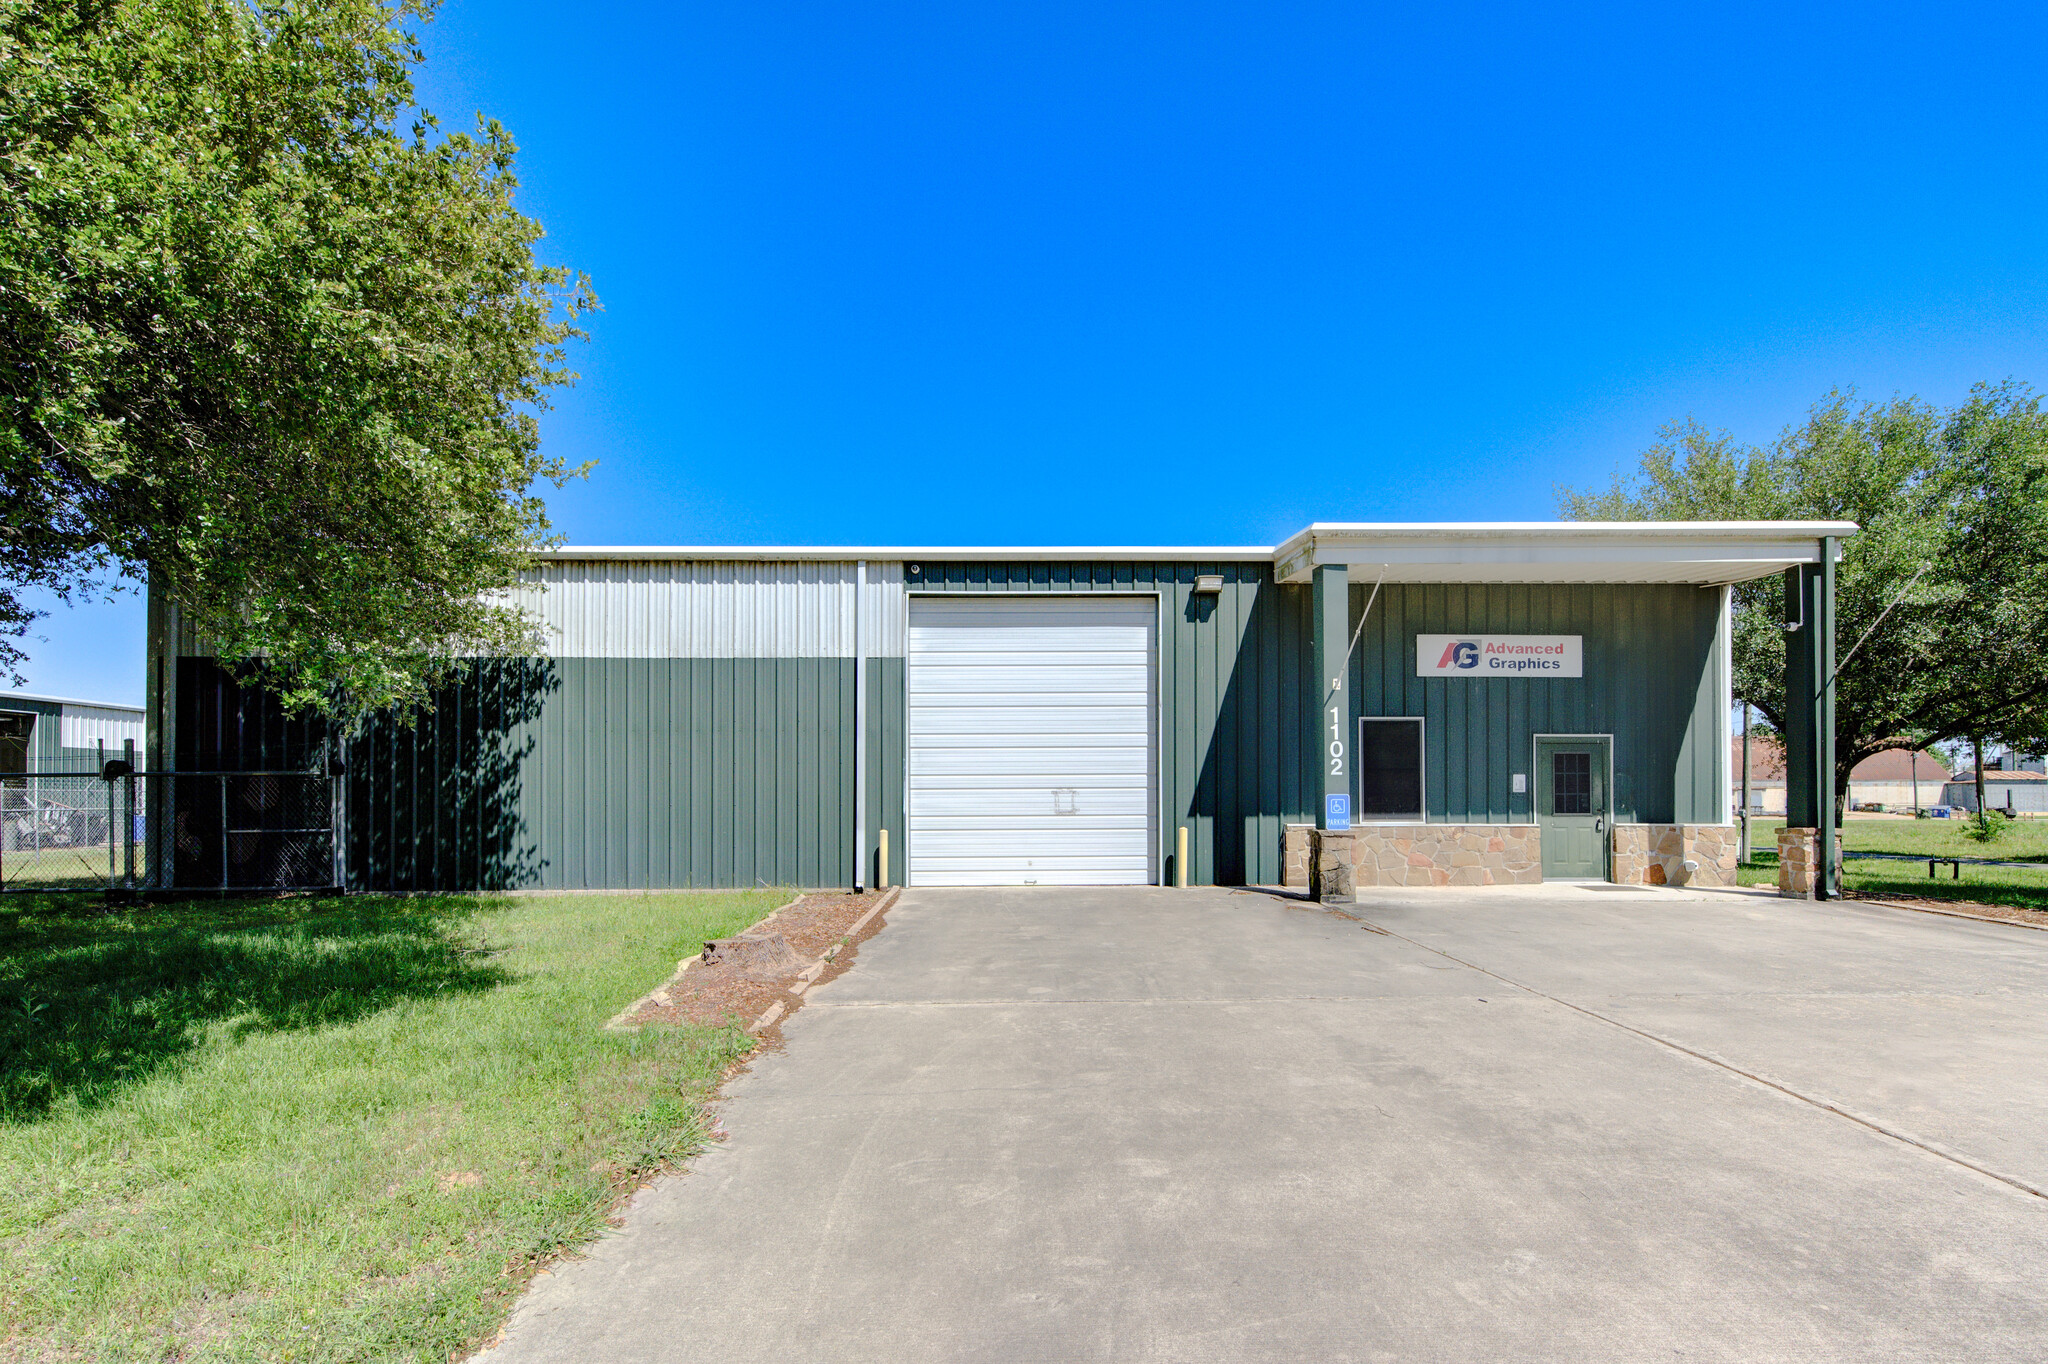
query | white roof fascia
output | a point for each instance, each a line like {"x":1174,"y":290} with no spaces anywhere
{"x":5,"y":697}
{"x":913,"y":554}
{"x":1703,"y":552}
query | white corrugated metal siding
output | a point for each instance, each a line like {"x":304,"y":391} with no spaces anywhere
{"x":2027,"y":797}
{"x":88,"y":726}
{"x":1031,"y":740}
{"x":712,"y":609}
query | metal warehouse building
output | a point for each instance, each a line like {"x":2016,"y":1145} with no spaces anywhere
{"x":53,"y":734}
{"x":1459,"y":704}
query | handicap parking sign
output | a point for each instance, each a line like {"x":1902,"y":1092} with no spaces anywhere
{"x":1337,"y":812}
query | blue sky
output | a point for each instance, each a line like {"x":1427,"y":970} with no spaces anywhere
{"x":1200,"y":273}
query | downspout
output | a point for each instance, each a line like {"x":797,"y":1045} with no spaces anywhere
{"x":860,"y":731}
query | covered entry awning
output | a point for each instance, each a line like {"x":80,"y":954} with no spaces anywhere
{"x":1705,"y":552}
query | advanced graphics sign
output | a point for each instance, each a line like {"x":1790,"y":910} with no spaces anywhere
{"x":1499,"y":656}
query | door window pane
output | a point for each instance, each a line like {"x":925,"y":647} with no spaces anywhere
{"x":1571,"y":783}
{"x":1390,"y":768}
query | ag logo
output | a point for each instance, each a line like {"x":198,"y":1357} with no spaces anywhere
{"x":1459,"y":653}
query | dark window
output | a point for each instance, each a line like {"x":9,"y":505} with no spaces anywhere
{"x":15,"y":727}
{"x":1390,"y":769}
{"x":1571,"y":783}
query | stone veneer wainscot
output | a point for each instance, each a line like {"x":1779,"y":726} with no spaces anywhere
{"x":1430,"y":854}
{"x":1656,"y":854}
{"x":1512,"y":854}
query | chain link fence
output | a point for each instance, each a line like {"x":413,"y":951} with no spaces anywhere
{"x":63,"y":831}
{"x":168,"y":831}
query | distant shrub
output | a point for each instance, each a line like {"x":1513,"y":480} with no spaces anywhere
{"x":1988,"y":827}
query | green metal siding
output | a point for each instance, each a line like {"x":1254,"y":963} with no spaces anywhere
{"x":653,"y":772}
{"x":629,"y":773}
{"x":888,"y":711}
{"x":1652,"y":680}
{"x":1234,"y":765}
{"x":589,"y":773}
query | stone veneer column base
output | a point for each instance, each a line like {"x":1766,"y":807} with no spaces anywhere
{"x":1657,"y":854}
{"x":1798,"y":862}
{"x":1294,"y":858}
{"x":1332,"y":876}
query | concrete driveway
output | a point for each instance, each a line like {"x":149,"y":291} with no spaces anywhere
{"x":1525,"y":1124}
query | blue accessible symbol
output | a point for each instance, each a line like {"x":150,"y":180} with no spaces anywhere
{"x":1337,"y":812}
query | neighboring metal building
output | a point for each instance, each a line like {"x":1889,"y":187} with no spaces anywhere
{"x":729,"y":717}
{"x":1895,"y":779}
{"x":52,"y":734}
{"x":2020,"y":791}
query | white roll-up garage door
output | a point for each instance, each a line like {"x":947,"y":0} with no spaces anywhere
{"x":1032,"y":727}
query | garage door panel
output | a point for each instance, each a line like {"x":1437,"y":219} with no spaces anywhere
{"x":995,"y":822}
{"x":1034,"y":844}
{"x":991,"y":635}
{"x":1032,"y":730}
{"x":1031,"y":699}
{"x":1002,"y":809}
{"x":1071,"y":781}
{"x":1016,"y":658}
{"x":1082,"y":871}
{"x":1117,"y":679}
{"x":1129,"y":736}
{"x":1030,"y":876}
{"x":1021,"y":763}
{"x":937,"y":724}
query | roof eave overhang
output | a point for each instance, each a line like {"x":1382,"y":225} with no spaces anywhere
{"x":1707,"y":553}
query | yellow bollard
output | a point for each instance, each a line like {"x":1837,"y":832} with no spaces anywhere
{"x":1180,"y":860}
{"x":882,"y":862}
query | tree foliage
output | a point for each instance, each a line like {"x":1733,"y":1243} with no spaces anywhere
{"x":1958,"y":497}
{"x":268,"y":336}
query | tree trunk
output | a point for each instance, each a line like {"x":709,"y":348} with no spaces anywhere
{"x":1977,"y":752}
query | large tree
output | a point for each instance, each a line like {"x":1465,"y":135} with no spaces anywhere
{"x":268,"y":336}
{"x":1947,"y":578}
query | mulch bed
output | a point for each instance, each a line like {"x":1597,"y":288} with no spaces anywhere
{"x":721,"y":994}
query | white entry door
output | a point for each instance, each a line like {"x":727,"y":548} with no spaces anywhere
{"x":1032,"y":723}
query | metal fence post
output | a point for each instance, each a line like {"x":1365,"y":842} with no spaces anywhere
{"x":128,"y":813}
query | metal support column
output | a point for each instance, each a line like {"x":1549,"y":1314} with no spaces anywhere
{"x":1332,"y":609}
{"x":1810,"y":709}
{"x":1332,"y":872}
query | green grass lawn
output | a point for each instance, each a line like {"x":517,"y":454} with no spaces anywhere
{"x":327,"y":1130}
{"x":2023,"y":840}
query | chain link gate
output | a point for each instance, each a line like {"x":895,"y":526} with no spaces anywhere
{"x":64,"y":831}
{"x":169,"y":831}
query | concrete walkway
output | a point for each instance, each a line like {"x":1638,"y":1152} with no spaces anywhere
{"x":1556,"y":1124}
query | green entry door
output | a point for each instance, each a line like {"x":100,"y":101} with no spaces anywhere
{"x":1571,"y":805}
